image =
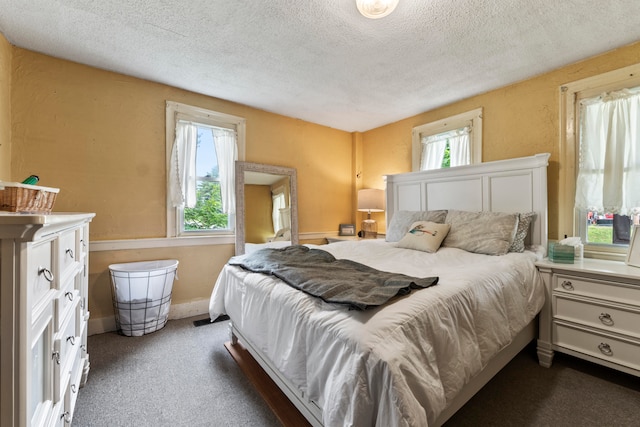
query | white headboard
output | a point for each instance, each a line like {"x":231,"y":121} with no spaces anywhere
{"x":514,"y":185}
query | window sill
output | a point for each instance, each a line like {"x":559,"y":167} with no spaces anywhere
{"x":161,"y":242}
{"x":612,"y":256}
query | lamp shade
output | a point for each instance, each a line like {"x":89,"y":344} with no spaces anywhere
{"x":371,"y":200}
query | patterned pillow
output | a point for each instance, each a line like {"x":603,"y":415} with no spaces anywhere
{"x":488,"y":233}
{"x":524,"y":221}
{"x":402,"y":220}
{"x":424,"y":236}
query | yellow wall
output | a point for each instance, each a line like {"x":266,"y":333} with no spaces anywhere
{"x":100,"y":137}
{"x":518,"y":120}
{"x":5,"y":109}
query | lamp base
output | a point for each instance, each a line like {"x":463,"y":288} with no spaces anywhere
{"x":369,"y":229}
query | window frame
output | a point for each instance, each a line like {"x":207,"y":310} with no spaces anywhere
{"x":177,"y":111}
{"x":570,"y":96}
{"x":471,"y":118}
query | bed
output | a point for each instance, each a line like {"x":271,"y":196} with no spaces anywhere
{"x":252,"y":247}
{"x":417,"y":359}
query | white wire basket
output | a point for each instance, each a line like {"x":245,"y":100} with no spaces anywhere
{"x":141,"y":293}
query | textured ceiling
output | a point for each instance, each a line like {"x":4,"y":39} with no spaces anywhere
{"x":320,"y":60}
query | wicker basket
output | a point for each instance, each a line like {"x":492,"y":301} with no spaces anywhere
{"x":25,"y":198}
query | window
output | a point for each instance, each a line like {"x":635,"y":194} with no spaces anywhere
{"x":202,"y":147}
{"x":601,"y":118}
{"x":449,"y":142}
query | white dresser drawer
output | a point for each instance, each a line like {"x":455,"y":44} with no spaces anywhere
{"x":83,"y":242}
{"x":74,"y":386}
{"x":66,"y":301}
{"x":611,"y":349}
{"x":618,"y":319}
{"x":40,"y":272}
{"x":607,"y":290}
{"x":67,"y":253}
{"x":41,"y":367}
{"x":58,"y":416}
{"x":66,"y":347}
{"x":80,"y":284}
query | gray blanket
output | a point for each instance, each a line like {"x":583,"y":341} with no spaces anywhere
{"x":320,"y":274}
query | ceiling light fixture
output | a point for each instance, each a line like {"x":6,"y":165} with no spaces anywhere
{"x":375,"y":9}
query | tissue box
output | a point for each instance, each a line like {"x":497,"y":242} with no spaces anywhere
{"x":561,"y":253}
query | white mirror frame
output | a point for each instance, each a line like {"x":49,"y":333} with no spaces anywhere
{"x":633,"y":257}
{"x":241,"y":168}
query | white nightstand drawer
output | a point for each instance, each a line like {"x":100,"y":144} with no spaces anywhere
{"x":611,"y":291}
{"x":622,"y":320}
{"x":614,"y":350}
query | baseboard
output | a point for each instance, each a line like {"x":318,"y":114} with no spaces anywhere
{"x":177,"y":311}
{"x":101,"y":325}
{"x":189,"y":309}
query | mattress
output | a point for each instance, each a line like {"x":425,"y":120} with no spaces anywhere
{"x":398,"y":364}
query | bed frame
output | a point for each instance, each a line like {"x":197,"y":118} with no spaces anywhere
{"x":515,"y":185}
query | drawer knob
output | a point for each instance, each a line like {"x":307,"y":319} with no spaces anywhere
{"x":69,"y":295}
{"x":605,"y":349}
{"x":48,"y":275}
{"x":84,"y":245}
{"x":66,"y":416}
{"x":72,"y":340}
{"x":73,"y":388}
{"x":70,"y":253}
{"x":56,"y":357}
{"x":566,"y":284}
{"x":606,"y":319}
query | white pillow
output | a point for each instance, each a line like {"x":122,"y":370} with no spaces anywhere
{"x":524,"y":222}
{"x":424,"y":236}
{"x":488,"y":233}
{"x":402,"y":220}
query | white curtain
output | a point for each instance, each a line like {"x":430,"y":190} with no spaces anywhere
{"x":459,"y":150}
{"x":432,"y":153}
{"x":276,"y":213}
{"x":433,"y":148}
{"x":182,"y":174}
{"x":609,"y":163}
{"x":227,"y":151}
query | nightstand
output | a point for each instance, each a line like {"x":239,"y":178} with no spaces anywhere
{"x":592,"y":311}
{"x":341,"y":239}
{"x":350,"y":238}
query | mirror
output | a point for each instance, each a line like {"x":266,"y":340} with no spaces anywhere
{"x":259,"y":188}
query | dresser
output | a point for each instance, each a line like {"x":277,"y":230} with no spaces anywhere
{"x":592,"y":311}
{"x":43,"y":316}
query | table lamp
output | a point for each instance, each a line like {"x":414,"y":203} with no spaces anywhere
{"x":370,"y":200}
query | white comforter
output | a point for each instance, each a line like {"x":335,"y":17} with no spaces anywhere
{"x":396,"y":365}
